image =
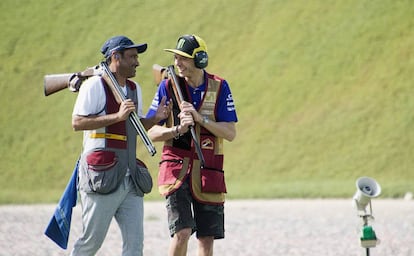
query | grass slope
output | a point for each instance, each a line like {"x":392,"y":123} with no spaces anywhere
{"x":323,"y":89}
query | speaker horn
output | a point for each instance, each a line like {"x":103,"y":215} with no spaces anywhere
{"x":367,"y":188}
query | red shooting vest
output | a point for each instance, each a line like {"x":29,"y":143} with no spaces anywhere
{"x":179,"y":159}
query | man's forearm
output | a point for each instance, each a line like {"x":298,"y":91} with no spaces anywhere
{"x":149,"y":122}
{"x":225,"y":130}
{"x":162,"y":133}
{"x":93,"y":122}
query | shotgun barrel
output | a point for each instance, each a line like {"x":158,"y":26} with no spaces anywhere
{"x":176,"y":83}
{"x":133,"y":117}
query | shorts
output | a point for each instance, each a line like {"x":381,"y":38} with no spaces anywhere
{"x":208,"y":220}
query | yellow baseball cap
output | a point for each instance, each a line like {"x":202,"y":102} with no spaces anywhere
{"x":188,"y":46}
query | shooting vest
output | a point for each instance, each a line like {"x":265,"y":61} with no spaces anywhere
{"x":113,"y":147}
{"x":179,"y":160}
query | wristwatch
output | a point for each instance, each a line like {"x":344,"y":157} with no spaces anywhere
{"x":205,"y":120}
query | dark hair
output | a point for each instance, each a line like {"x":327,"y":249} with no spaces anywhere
{"x":108,"y":60}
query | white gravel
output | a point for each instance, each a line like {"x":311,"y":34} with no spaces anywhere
{"x":253,"y":227}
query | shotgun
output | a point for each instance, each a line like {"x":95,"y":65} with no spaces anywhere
{"x":133,"y":117}
{"x":73,"y":81}
{"x":56,"y":82}
{"x":176,"y":84}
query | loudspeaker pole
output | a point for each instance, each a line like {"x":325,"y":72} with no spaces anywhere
{"x":368,"y":238}
{"x":367,"y":188}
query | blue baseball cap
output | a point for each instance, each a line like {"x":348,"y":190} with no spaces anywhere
{"x":119,"y":43}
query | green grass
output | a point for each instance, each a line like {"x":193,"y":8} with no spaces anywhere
{"x":323,"y":89}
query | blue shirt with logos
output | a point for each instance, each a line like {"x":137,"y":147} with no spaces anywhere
{"x":225,"y":109}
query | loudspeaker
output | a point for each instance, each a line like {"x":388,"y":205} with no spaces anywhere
{"x":367,"y":188}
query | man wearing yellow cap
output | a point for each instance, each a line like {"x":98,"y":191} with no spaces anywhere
{"x":194,"y":192}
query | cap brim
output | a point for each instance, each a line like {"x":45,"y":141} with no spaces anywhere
{"x":140,"y":47}
{"x":179,"y":52}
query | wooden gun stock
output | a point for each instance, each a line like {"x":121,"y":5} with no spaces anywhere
{"x":57,"y":82}
{"x":159,"y":73}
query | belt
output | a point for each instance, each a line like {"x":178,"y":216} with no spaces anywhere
{"x":108,"y":136}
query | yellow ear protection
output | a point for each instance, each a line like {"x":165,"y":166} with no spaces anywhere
{"x":199,"y":52}
{"x":194,"y":47}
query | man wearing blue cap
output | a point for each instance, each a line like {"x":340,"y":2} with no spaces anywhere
{"x":194,"y":192}
{"x":108,"y":161}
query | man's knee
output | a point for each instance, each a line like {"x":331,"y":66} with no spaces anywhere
{"x":206,"y":241}
{"x":183,"y":235}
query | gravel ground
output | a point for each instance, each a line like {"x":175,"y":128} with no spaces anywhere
{"x":253,"y":227}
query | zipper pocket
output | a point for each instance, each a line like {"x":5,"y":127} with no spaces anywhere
{"x":178,"y":161}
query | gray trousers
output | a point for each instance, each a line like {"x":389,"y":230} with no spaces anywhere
{"x":97,"y":213}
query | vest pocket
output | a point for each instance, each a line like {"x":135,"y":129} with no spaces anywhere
{"x":103,"y":171}
{"x":212,"y":180}
{"x":101,"y":160}
{"x":142,"y":178}
{"x":169,"y":171}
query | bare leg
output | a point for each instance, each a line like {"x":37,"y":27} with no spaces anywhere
{"x":179,"y":242}
{"x":205,"y":246}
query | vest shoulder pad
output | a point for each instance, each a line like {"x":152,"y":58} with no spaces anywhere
{"x":214,"y":77}
{"x":131,"y":85}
